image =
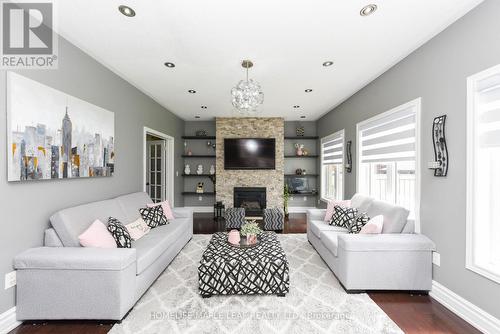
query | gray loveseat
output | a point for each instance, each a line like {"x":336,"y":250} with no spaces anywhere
{"x":397,"y":259}
{"x":65,"y":281}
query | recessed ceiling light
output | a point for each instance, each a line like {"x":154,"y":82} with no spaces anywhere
{"x":169,"y":64}
{"x":126,"y":10}
{"x":191,"y":91}
{"x":296,"y":107}
{"x":302,"y":116}
{"x":368,"y":10}
{"x":203,"y":107}
{"x":308,"y":90}
{"x":196,"y":116}
{"x":328,"y":63}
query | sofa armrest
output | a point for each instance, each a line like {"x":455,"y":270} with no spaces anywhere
{"x":315,"y":214}
{"x":75,"y":258}
{"x":182,"y":212}
{"x":385,"y":242}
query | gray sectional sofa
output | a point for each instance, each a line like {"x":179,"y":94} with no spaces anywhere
{"x":65,"y":281}
{"x":397,"y":259}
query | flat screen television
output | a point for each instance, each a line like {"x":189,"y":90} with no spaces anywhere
{"x":249,"y":153}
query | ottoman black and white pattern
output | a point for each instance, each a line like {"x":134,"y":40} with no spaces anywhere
{"x":274,"y":219}
{"x":235,"y":217}
{"x":227,"y":270}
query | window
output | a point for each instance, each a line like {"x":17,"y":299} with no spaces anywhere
{"x":483,"y":173}
{"x":388,"y":156}
{"x":332,"y":166}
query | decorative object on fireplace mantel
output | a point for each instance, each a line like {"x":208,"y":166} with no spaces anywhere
{"x":441,"y":159}
{"x":348,"y":165}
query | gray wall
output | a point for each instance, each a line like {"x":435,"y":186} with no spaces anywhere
{"x":437,"y":72}
{"x":26,"y":207}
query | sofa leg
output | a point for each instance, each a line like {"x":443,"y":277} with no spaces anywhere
{"x":419,"y":293}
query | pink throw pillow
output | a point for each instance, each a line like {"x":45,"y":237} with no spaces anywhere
{"x":330,"y":208}
{"x":167,"y":211}
{"x":374,"y":225}
{"x":97,"y":235}
{"x":137,"y":229}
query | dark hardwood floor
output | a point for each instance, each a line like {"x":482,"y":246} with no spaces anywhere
{"x":413,"y":313}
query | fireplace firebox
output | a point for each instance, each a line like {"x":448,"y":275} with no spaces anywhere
{"x":252,"y":199}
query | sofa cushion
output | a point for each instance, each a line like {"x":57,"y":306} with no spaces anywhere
{"x":131,"y":203}
{"x":119,"y":233}
{"x":51,"y":239}
{"x":151,"y":246}
{"x":97,"y":235}
{"x":71,"y":222}
{"x":343,"y":217}
{"x":361,"y":202}
{"x":316,"y":226}
{"x":394,"y":216}
{"x":330,"y":240}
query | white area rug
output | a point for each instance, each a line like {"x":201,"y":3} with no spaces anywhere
{"x":316,"y":302}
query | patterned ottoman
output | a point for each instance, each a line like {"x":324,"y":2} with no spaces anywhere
{"x":226,"y":270}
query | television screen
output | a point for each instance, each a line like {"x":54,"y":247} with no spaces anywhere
{"x":249,"y":153}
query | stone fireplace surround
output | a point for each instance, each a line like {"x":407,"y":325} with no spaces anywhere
{"x":272,"y":180}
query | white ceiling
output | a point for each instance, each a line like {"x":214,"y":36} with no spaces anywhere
{"x":287,"y":40}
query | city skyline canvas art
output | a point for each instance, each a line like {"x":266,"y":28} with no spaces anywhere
{"x":53,"y":135}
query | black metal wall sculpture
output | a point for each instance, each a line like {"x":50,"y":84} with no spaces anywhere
{"x":348,"y":165}
{"x":440,"y":149}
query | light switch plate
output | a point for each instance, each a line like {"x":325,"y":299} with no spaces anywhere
{"x":10,"y":280}
{"x":436,"y":258}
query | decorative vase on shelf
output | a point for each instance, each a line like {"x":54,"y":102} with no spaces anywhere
{"x":299,"y":149}
{"x":234,"y":237}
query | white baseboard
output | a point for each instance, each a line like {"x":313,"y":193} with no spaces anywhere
{"x":475,"y":316}
{"x":201,"y":208}
{"x":299,"y":209}
{"x":8,"y":321}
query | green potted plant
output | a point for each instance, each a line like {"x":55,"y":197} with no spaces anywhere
{"x":286,"y":198}
{"x":250,"y":230}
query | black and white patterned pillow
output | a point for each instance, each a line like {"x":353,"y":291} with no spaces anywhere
{"x":343,"y":216}
{"x":154,"y":216}
{"x":358,"y":223}
{"x":119,"y":233}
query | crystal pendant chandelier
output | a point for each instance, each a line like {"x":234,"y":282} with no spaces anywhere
{"x":247,"y":95}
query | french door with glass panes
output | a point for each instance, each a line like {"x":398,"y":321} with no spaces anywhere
{"x":156,"y":170}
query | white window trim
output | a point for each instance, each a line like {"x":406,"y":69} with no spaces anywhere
{"x":469,"y":220}
{"x":417,"y":104}
{"x":335,"y":134}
